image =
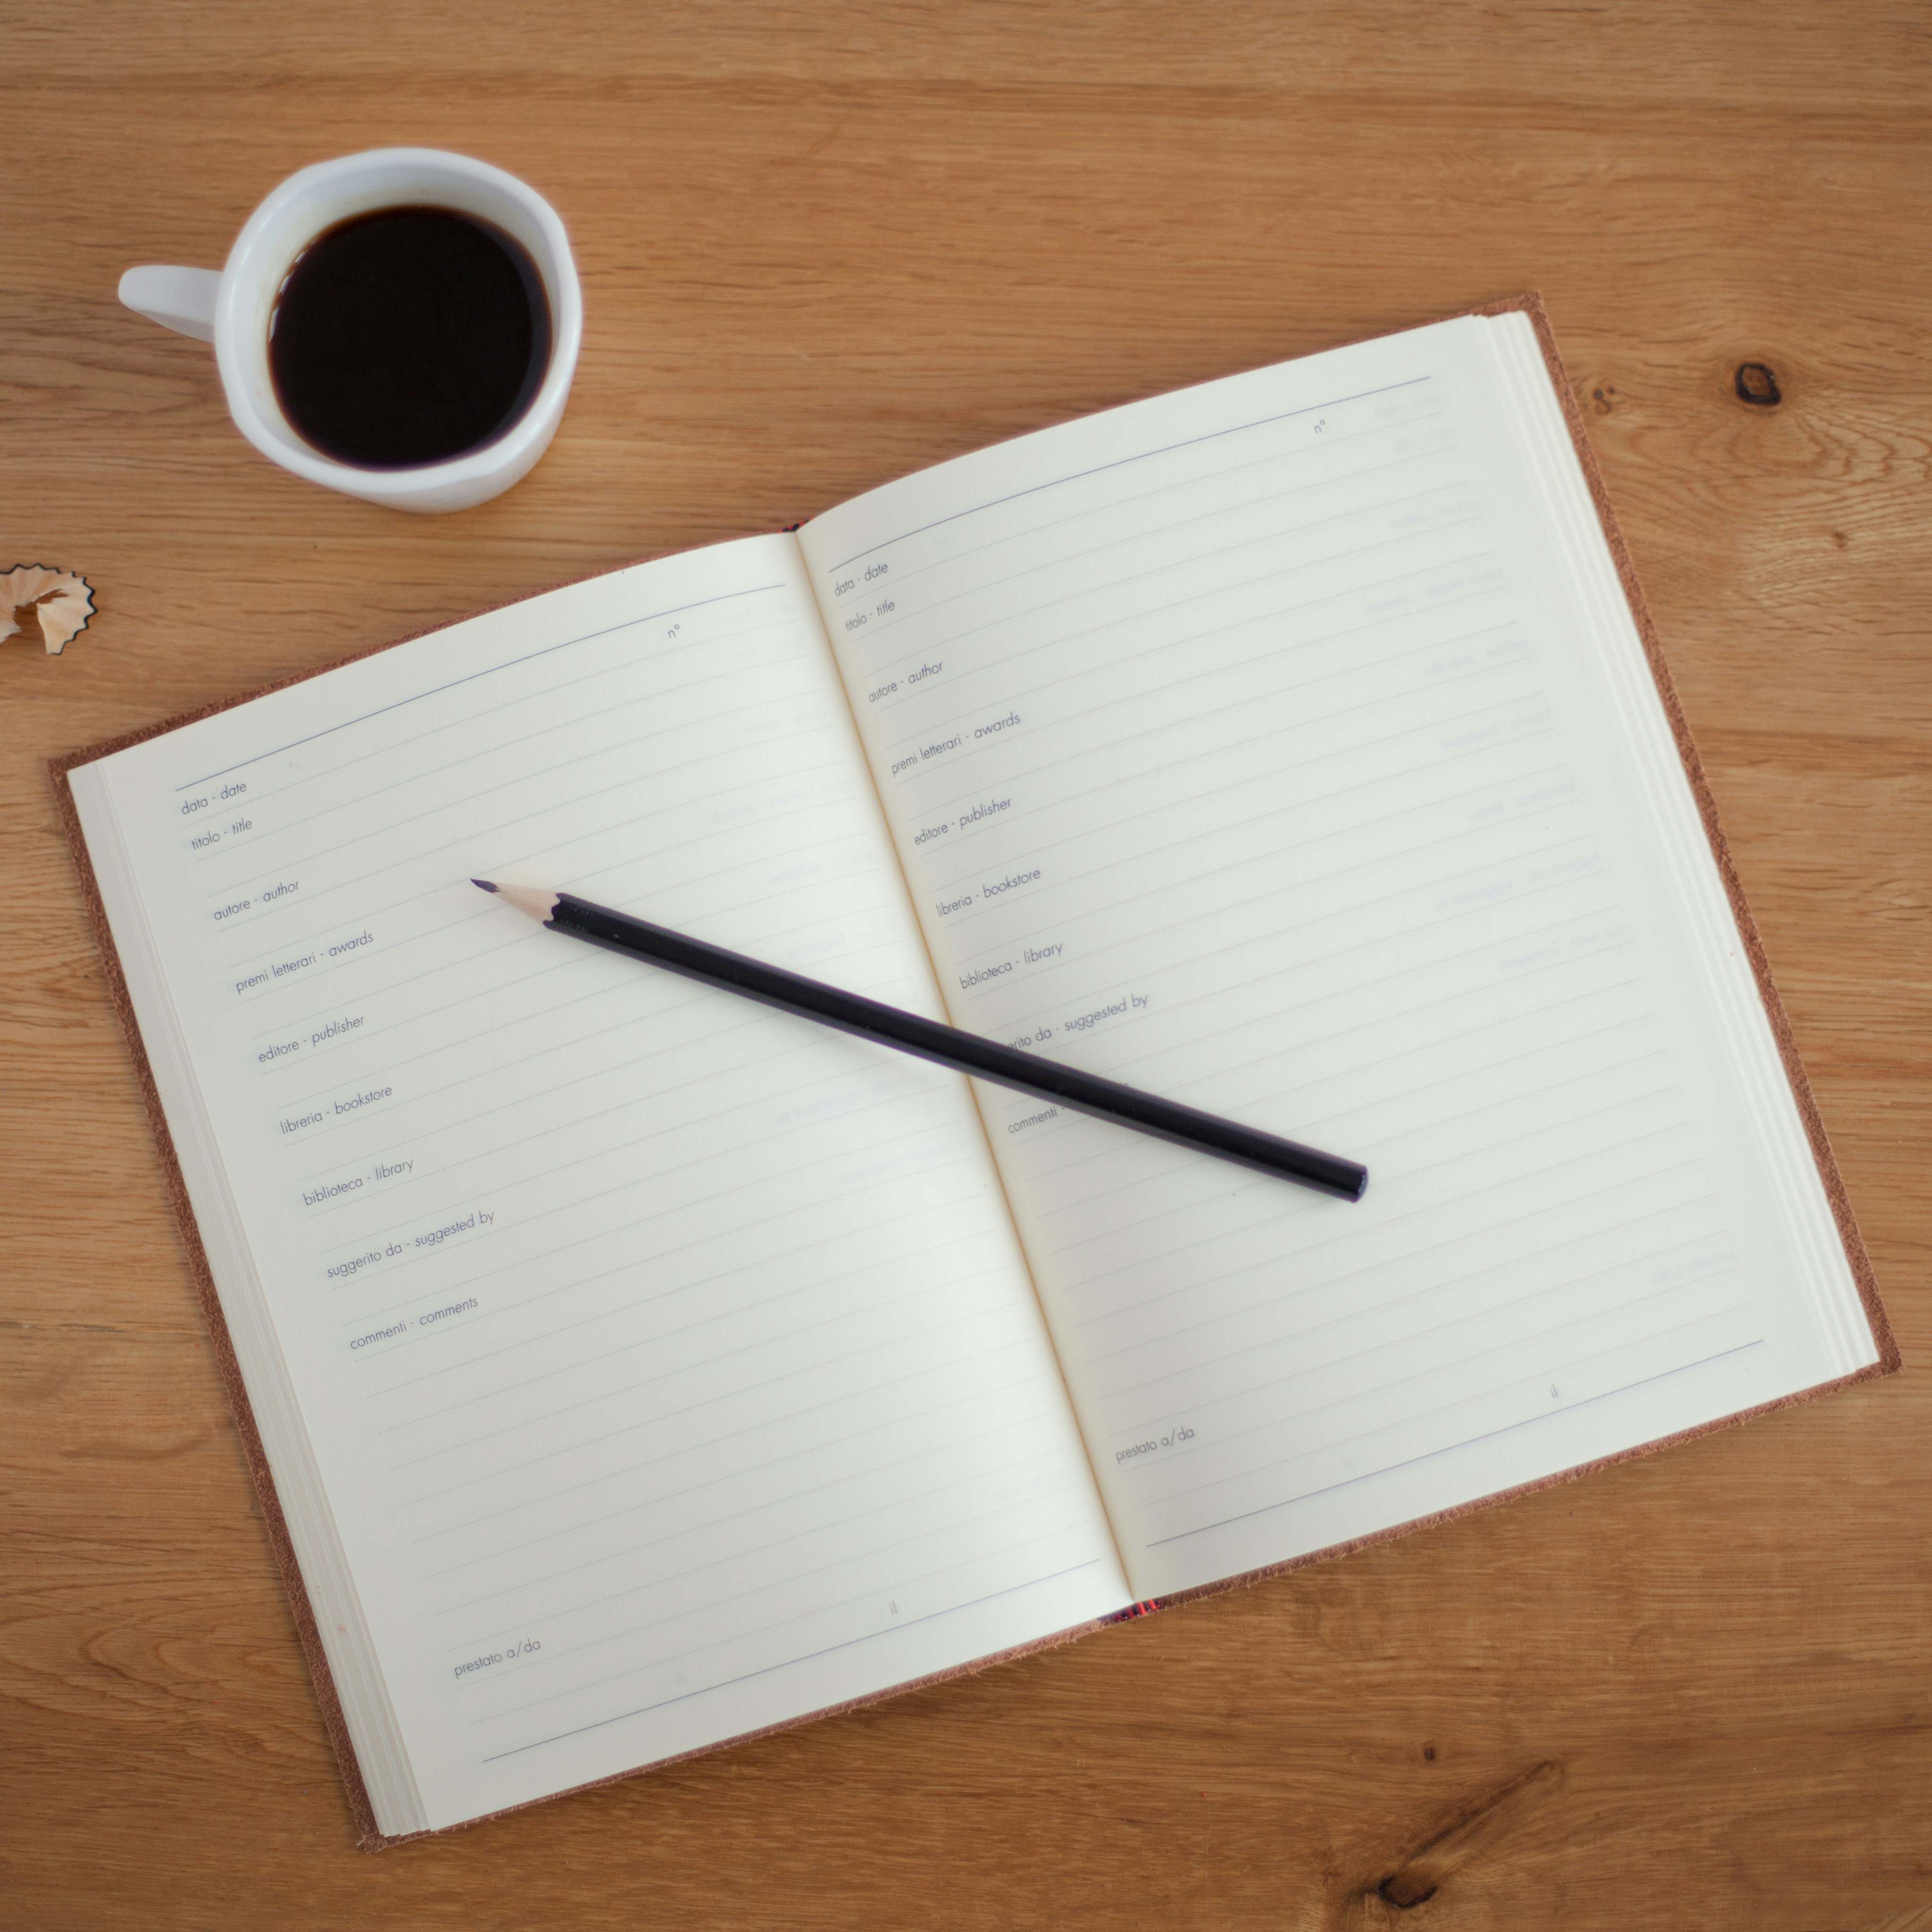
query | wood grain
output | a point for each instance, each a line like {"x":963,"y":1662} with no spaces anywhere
{"x":822,"y":245}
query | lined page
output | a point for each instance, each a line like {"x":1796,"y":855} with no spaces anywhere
{"x":668,"y":1365}
{"x":1256,"y":745}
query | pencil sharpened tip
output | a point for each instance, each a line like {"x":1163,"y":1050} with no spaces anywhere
{"x":488,"y":885}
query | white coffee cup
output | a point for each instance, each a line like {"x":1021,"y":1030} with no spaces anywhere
{"x":232,"y":310}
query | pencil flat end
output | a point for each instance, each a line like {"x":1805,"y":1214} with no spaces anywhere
{"x":488,"y":885}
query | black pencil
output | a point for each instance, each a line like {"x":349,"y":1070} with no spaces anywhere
{"x":964,"y":1052}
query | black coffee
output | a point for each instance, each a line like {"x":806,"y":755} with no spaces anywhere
{"x":409,"y":336}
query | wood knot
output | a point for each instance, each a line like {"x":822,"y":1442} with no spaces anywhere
{"x":1755,"y":384}
{"x":1448,"y":1850}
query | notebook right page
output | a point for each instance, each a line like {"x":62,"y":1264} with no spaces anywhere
{"x":1286,"y":746}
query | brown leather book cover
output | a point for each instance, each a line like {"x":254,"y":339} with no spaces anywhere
{"x":369,"y":1835}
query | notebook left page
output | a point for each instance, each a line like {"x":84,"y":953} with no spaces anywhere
{"x":638,"y":1367}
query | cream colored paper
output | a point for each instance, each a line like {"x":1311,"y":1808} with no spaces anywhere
{"x":644,"y":1367}
{"x":1285,"y":746}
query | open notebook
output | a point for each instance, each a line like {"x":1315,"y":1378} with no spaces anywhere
{"x":630,"y":1368}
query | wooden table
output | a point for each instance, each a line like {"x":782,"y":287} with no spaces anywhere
{"x":822,"y":245}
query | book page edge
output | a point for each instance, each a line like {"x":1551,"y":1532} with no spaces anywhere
{"x":369,"y":1835}
{"x":1889,"y":1358}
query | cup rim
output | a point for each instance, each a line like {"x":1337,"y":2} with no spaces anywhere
{"x":240,"y":278}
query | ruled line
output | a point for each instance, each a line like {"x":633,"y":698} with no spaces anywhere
{"x":1219,"y":830}
{"x":657,"y":1337}
{"x":549,"y":1496}
{"x":1111,"y":508}
{"x":628,"y":748}
{"x":684,"y":1126}
{"x":517,"y":740}
{"x":1140,"y":456}
{"x":1507,"y":1429}
{"x":1442,"y":1365}
{"x":1462,"y":1399}
{"x":812,"y":1657}
{"x":1323,"y":1289}
{"x":941,"y":1448}
{"x":626,"y":1266}
{"x":527,"y":657}
{"x":1187,"y":559}
{"x":578,"y":1407}
{"x":926,"y":1415}
{"x":788,"y":1501}
{"x":543,"y":1215}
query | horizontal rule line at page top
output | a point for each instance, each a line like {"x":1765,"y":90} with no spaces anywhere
{"x":1117,"y":504}
{"x":818,"y":842}
{"x":1139,"y":456}
{"x":489,"y":670}
{"x":1276,"y":652}
{"x":1186,"y":560}
{"x":386,"y":832}
{"x":288,"y":787}
{"x":1034,"y":643}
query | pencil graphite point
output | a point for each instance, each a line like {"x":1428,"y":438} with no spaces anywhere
{"x":488,"y":885}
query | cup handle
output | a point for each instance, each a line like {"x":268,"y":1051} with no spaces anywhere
{"x":182,"y":299}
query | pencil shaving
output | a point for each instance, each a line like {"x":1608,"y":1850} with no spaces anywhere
{"x":54,"y":605}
